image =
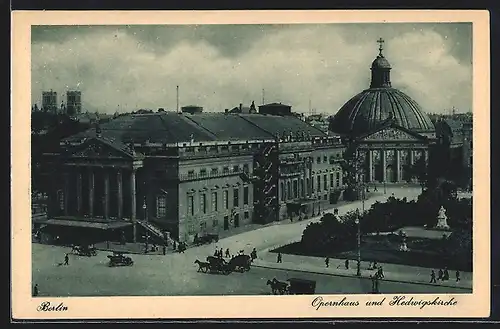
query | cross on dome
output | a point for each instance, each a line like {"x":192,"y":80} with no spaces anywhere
{"x":381,"y":47}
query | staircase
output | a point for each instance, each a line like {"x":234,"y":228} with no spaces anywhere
{"x":150,"y":227}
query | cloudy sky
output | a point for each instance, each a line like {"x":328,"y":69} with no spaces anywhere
{"x":217,"y":67}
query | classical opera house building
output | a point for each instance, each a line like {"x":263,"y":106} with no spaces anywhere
{"x":389,"y":128}
{"x":176,"y":175}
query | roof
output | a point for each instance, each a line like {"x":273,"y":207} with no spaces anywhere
{"x":87,"y":224}
{"x":228,"y":126}
{"x":381,"y":63}
{"x":170,"y":128}
{"x":274,"y":105}
{"x":276,"y":125}
{"x":163,"y":127}
{"x":367,"y":110}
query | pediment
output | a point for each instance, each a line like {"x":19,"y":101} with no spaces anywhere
{"x":392,"y":134}
{"x":98,"y":149}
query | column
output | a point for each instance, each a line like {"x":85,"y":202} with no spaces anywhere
{"x":106,"y":194}
{"x":370,"y":165}
{"x":133,"y":202}
{"x":91,"y":193}
{"x":66,"y":193}
{"x":384,"y":169}
{"x":120,"y":193}
{"x":79,"y":192}
{"x":398,"y":165}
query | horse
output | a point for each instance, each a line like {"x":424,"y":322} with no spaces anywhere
{"x":202,"y":266}
{"x":278,"y":286}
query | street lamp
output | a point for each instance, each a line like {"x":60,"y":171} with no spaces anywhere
{"x":358,"y":273}
{"x":144,"y":208}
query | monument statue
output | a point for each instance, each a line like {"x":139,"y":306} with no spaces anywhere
{"x":441,"y":219}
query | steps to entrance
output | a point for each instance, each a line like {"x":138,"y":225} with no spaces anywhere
{"x":152,"y":228}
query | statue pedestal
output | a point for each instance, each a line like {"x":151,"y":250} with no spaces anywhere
{"x":442,"y":225}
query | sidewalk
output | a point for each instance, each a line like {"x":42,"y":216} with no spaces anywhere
{"x":392,"y":272}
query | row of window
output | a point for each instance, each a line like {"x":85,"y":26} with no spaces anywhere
{"x":293,"y":189}
{"x":222,"y":148}
{"x":215,"y":223}
{"x":324,"y":159}
{"x":215,"y":201}
{"x":215,"y":171}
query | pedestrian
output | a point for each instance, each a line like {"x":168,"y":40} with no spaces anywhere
{"x":375,"y":189}
{"x":440,"y":274}
{"x":216,"y":252}
{"x":228,"y":255}
{"x":381,"y":272}
{"x":372,"y":277}
{"x":164,"y":249}
{"x":433,"y":277}
{"x":66,"y":259}
{"x":327,"y":261}
{"x":346,"y":264}
{"x":279,"y":260}
{"x":457,"y":275}
{"x":254,"y":254}
{"x":377,"y":291}
{"x":221,"y":253}
{"x":35,"y":290}
{"x":446,"y":275}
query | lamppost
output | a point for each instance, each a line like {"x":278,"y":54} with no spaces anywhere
{"x":144,"y":208}
{"x":358,"y":272}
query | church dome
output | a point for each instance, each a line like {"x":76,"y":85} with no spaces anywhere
{"x":381,"y":62}
{"x":370,"y":108}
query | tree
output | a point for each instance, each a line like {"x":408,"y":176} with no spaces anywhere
{"x":419,"y":170}
{"x":352,"y":167}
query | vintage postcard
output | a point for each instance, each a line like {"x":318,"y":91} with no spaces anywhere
{"x":250,"y":164}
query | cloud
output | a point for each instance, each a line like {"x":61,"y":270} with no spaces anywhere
{"x":324,"y":63}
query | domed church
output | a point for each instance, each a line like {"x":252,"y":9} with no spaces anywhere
{"x":390,"y":129}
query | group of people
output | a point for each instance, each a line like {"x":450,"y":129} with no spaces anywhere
{"x":443,"y":275}
{"x":219,"y":253}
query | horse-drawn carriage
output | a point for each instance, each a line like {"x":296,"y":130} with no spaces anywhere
{"x":301,"y":286}
{"x":292,"y":286}
{"x":205,"y":239}
{"x":240,"y":263}
{"x":84,"y":250}
{"x":119,"y":259}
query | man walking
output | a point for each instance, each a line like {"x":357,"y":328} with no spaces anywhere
{"x":347,"y":264}
{"x":279,"y":260}
{"x":327,"y":261}
{"x":446,"y":275}
{"x":66,"y":259}
{"x":380,"y":272}
{"x":457,"y":275}
{"x":433,"y":277}
{"x":440,"y":274}
{"x":228,"y":255}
